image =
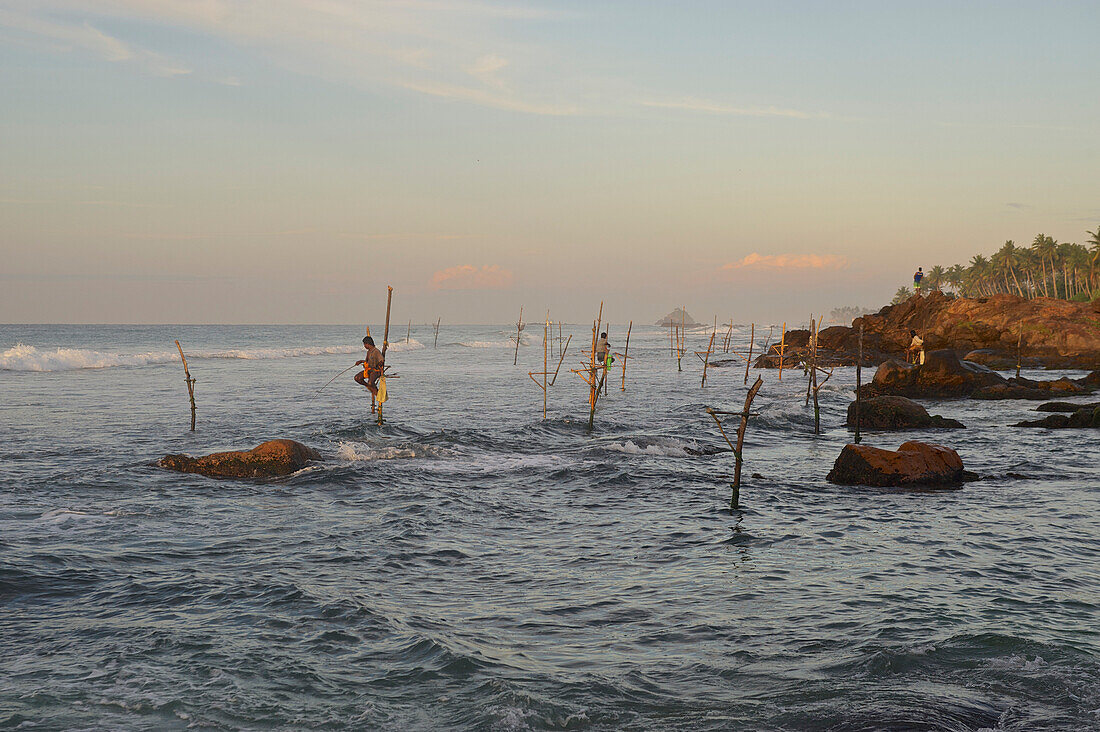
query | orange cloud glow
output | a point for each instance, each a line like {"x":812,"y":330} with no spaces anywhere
{"x":789,"y":261}
{"x":469,"y":277}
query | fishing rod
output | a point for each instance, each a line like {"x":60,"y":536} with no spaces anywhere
{"x":334,"y":378}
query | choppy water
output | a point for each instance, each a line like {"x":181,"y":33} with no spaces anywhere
{"x":469,"y":566}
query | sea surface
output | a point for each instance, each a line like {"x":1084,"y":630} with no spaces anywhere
{"x":469,"y":565}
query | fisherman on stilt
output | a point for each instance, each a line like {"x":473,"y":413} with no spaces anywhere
{"x":373,"y":366}
{"x":604,"y":359}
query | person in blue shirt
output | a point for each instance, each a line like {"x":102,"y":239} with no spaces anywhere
{"x":917,"y":277}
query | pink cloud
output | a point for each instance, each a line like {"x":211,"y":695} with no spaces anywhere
{"x":469,"y":277}
{"x":789,"y":261}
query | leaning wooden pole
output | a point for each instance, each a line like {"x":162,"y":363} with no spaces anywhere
{"x":859,"y":379}
{"x":519,"y":330}
{"x":752,"y":339}
{"x":782,"y":349}
{"x":385,"y":342}
{"x":706,"y":358}
{"x":738,"y":454}
{"x":437,"y":322}
{"x":813,"y":374}
{"x":626,"y":352}
{"x":409,"y":331}
{"x":190,"y":384}
{"x":1019,"y":352}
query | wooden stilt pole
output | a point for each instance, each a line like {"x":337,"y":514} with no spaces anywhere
{"x":190,"y":384}
{"x":782,"y":349}
{"x":752,"y":339}
{"x":519,"y":329}
{"x":385,"y":342}
{"x":437,"y":322}
{"x":738,"y":453}
{"x":626,"y":352}
{"x":545,"y":372}
{"x":409,"y":331}
{"x":1019,"y":352}
{"x":859,"y":379}
{"x":706,"y":358}
{"x":562,"y":351}
{"x":813,"y":373}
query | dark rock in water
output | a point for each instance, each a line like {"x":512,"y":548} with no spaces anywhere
{"x":1029,"y":389}
{"x":270,"y":460}
{"x":941,"y":375}
{"x":1068,"y":407}
{"x":895,"y":413}
{"x":997,"y":360}
{"x":914,"y":463}
{"x":679,"y":316}
{"x":1082,"y":418}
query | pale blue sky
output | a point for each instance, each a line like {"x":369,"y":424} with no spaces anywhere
{"x":282,"y":160}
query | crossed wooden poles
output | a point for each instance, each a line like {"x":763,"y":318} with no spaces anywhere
{"x":738,"y":455}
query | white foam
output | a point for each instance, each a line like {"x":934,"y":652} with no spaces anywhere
{"x":492,"y":344}
{"x":358,"y":452}
{"x":30,"y":358}
{"x":660,"y":447}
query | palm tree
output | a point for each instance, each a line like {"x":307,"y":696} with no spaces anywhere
{"x":1010,"y":260}
{"x":1040,"y":246}
{"x":976,"y":272}
{"x":1094,"y":261}
{"x":935,"y":277}
{"x":955,"y":276}
{"x":901,"y":295}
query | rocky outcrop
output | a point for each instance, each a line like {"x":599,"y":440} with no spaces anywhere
{"x":1056,"y":333}
{"x":914,"y":463}
{"x":1082,"y":418}
{"x":941,"y":375}
{"x":895,"y":413}
{"x":677,"y":317}
{"x":272,"y":459}
{"x":1068,"y":407}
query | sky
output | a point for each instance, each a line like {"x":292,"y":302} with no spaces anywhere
{"x":282,"y":161}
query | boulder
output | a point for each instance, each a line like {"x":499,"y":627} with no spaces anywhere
{"x":1082,"y":418}
{"x":995,"y":360}
{"x":1030,"y":389}
{"x":895,"y":413}
{"x":1068,"y":407}
{"x":941,"y":375}
{"x":914,"y":463}
{"x":272,"y":459}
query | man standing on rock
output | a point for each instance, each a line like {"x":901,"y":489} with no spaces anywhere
{"x":373,"y":365}
{"x":917,"y":277}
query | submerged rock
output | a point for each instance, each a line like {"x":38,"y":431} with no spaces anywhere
{"x":1082,"y":418}
{"x":1029,"y":389}
{"x":272,"y":459}
{"x":941,"y":375}
{"x":914,"y":463}
{"x":895,"y":413}
{"x":1068,"y":407}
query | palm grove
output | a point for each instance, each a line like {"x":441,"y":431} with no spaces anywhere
{"x":1045,"y":269}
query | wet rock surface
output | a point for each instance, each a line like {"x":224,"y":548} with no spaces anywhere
{"x":912,"y":464}
{"x":896,"y":413}
{"x":1088,"y":417}
{"x":272,"y":459}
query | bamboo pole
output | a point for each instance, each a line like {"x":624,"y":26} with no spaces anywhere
{"x":729,"y":338}
{"x":752,"y":338}
{"x":519,"y":329}
{"x":545,"y":373}
{"x":782,"y":349}
{"x":859,"y":379}
{"x":385,"y":344}
{"x":706,"y":358}
{"x":606,"y":329}
{"x":682,"y":339}
{"x":1019,"y":352}
{"x":437,"y":322}
{"x":190,"y":384}
{"x":409,"y":331}
{"x":738,"y":451}
{"x":813,"y":374}
{"x":626,"y":352}
{"x":562,"y":358}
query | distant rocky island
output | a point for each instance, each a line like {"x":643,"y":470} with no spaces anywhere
{"x":679,"y":316}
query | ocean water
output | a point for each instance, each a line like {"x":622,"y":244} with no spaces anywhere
{"x":471,"y":566}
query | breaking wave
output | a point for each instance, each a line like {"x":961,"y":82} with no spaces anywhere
{"x":30,"y":358}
